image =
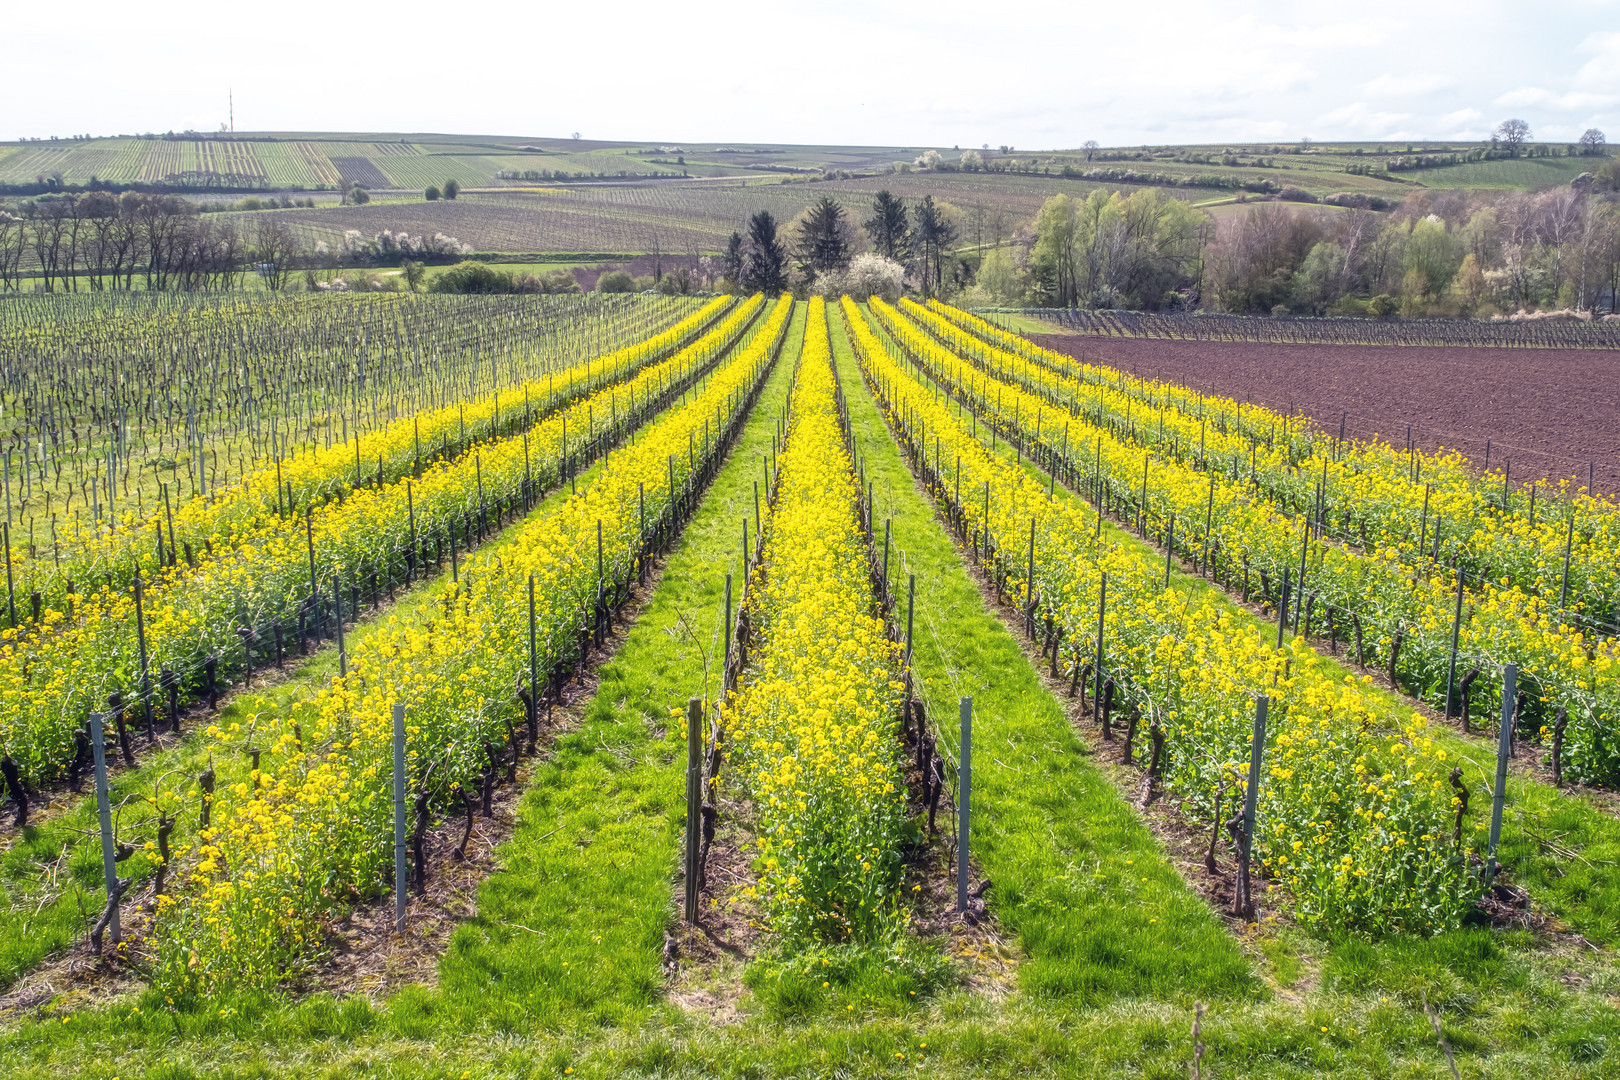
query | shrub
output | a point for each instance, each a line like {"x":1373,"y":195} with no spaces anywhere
{"x":451,"y":189}
{"x":1294,"y":194}
{"x":431,"y":194}
{"x":868,"y":274}
{"x":615,"y":281}
{"x":550,"y":283}
{"x":473,"y":277}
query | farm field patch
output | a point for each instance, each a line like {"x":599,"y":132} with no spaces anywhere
{"x":1098,"y":564}
{"x":1549,"y":411}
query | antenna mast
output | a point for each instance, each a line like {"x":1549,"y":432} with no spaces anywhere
{"x":230,"y":95}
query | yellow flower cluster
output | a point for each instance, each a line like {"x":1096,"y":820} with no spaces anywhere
{"x":392,"y":453}
{"x":812,"y":729}
{"x":1339,"y":781}
{"x":1375,"y":596}
{"x":73,"y":661}
{"x":1421,"y":506}
{"x":310,"y":831}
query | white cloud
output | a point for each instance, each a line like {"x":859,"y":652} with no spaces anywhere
{"x":1569,"y":101}
{"x":1418,"y":84}
{"x":1361,"y":119}
{"x":1261,"y":72}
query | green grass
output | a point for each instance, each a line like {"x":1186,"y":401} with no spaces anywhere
{"x":1506,"y":175}
{"x":587,"y":874}
{"x":46,"y":909}
{"x":1098,"y":908}
{"x":1511,"y":1006}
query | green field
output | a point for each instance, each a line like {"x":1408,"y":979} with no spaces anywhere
{"x":529,"y":195}
{"x":1106,"y":946}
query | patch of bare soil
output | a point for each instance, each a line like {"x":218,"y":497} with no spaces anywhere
{"x":1550,"y":411}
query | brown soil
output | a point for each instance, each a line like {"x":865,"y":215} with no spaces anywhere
{"x":1549,"y":411}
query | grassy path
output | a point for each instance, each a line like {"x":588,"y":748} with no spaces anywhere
{"x":51,"y":876}
{"x":1561,"y":845}
{"x":596,"y":853}
{"x":1097,"y":906}
{"x":572,"y":931}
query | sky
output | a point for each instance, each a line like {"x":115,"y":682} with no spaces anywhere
{"x":1033,"y":75}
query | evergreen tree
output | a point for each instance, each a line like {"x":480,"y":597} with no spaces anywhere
{"x":823,"y":241}
{"x":887,"y":227}
{"x":732,"y":260}
{"x":932,"y":236}
{"x":764,"y":259}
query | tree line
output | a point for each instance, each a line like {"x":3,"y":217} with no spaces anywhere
{"x":1441,"y":253}
{"x":105,"y":241}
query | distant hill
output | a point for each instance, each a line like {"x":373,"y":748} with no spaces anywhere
{"x":310,"y":161}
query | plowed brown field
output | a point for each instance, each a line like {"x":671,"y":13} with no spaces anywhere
{"x":1548,"y":411}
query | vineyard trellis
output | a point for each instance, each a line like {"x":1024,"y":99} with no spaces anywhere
{"x":108,"y":400}
{"x":1396,"y":612}
{"x":1304,"y":330}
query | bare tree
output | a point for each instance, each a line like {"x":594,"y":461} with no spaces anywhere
{"x":13,"y":241}
{"x":1593,"y":143}
{"x":1513,"y":133}
{"x":1090,"y":147}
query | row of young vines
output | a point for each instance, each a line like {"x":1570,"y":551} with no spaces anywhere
{"x":1356,"y":819}
{"x":305,"y":826}
{"x":1399,"y":619}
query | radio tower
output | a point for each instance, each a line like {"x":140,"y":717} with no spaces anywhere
{"x":230,"y":97}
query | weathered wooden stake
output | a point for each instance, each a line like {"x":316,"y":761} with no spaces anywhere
{"x":401,"y":882}
{"x":1504,"y":746}
{"x":964,"y":774}
{"x":694,"y":801}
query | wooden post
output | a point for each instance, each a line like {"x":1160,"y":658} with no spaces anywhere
{"x":888,"y":524}
{"x":1456,"y":629}
{"x":534,"y":675}
{"x":964,"y":799}
{"x":1097,"y":668}
{"x":410,"y":505}
{"x":725,"y":655}
{"x":337,"y":619}
{"x":911,"y":602}
{"x":1257,"y":749}
{"x":314,"y":591}
{"x":1504,"y":744}
{"x":1569,"y":542}
{"x":11,"y":590}
{"x":1029,"y":583}
{"x":1169,"y":546}
{"x":1282,"y":609}
{"x":694,"y":798}
{"x":401,"y":882}
{"x":146,"y":674}
{"x":109,"y":865}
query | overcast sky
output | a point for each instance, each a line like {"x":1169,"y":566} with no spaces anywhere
{"x":945,"y":72}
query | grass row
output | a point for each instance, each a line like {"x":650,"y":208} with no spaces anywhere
{"x":604,"y":815}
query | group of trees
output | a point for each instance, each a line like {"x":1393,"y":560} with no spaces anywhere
{"x":1106,"y":250}
{"x":1453,"y":253}
{"x":823,"y":249}
{"x":100,"y":240}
